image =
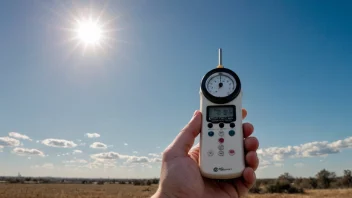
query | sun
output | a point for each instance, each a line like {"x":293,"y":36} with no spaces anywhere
{"x":89,"y":32}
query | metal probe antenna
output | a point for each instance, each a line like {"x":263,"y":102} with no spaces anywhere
{"x":220,"y":59}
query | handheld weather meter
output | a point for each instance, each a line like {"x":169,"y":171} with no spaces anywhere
{"x":221,"y":138}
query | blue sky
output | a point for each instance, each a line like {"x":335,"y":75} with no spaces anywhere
{"x":293,"y":58}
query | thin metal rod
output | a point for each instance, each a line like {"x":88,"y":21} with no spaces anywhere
{"x":220,"y":56}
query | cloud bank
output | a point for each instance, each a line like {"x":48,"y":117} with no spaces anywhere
{"x":270,"y":156}
{"x":129,"y":158}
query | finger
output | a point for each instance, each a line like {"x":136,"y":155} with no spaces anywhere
{"x":194,"y":153}
{"x":185,"y":139}
{"x":229,"y":189}
{"x":244,"y":114}
{"x":251,"y":144}
{"x":252,"y":160}
{"x":247,"y":129}
{"x":246,"y":182}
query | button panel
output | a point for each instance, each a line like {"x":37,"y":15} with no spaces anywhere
{"x":221,"y":131}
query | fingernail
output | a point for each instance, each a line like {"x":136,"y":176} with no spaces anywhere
{"x":195,"y":112}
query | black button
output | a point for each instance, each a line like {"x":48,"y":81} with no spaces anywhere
{"x":221,"y":125}
{"x":232,"y":125}
{"x":210,"y":125}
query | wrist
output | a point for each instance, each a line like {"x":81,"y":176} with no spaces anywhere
{"x":161,"y":194}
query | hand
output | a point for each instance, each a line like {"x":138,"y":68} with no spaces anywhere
{"x":180,"y":174}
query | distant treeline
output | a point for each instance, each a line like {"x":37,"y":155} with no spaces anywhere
{"x":100,"y":181}
{"x":285,"y":183}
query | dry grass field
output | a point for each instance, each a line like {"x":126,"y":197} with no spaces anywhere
{"x":124,"y":191}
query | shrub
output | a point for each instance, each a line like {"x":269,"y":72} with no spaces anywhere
{"x":255,"y":189}
{"x":283,"y":187}
{"x":137,"y":182}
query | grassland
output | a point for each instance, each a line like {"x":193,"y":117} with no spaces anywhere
{"x":126,"y":191}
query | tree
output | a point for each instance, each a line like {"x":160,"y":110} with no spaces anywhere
{"x":325,"y":178}
{"x":286,"y":177}
{"x":347,"y":178}
{"x":149,"y":182}
{"x":313,"y":182}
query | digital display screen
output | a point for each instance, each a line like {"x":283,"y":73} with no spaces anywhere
{"x":221,"y":113}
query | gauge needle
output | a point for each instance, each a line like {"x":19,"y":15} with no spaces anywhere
{"x":220,"y":84}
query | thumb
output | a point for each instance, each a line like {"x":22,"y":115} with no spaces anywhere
{"x":185,"y":139}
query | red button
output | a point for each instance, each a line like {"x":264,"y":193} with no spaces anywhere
{"x":231,"y":152}
{"x":221,"y":140}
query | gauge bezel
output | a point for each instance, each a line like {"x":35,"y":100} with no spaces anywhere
{"x":221,"y":100}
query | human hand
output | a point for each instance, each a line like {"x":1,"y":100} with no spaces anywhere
{"x":180,"y":174}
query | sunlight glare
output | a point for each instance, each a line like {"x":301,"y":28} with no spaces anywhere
{"x":89,"y":32}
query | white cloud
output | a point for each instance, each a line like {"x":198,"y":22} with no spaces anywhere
{"x":98,"y":163}
{"x":19,"y":136}
{"x":98,"y":145}
{"x":92,"y":135}
{"x":310,"y":149}
{"x":75,"y":161}
{"x":135,"y":159}
{"x":111,"y":157}
{"x":28,"y":152}
{"x":46,"y":166}
{"x":59,"y":143}
{"x":10,"y":142}
{"x":154,"y":154}
{"x":155,"y":160}
{"x":107,"y":156}
{"x":299,"y":164}
{"x":76,"y":151}
{"x":1,"y":147}
{"x":125,"y":144}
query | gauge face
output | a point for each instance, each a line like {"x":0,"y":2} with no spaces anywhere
{"x":221,"y":84}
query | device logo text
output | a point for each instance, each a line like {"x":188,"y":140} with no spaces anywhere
{"x":216,"y":169}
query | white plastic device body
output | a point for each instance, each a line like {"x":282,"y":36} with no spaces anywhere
{"x":221,"y":148}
